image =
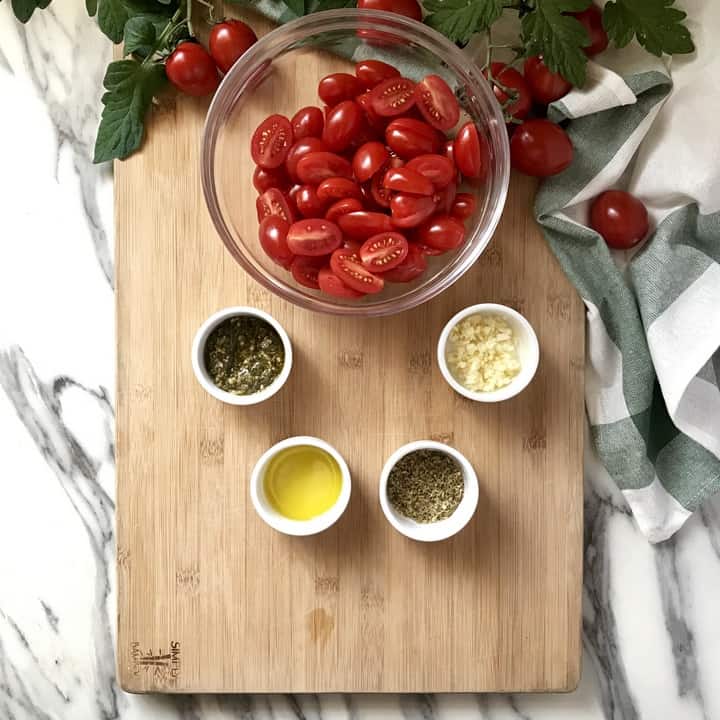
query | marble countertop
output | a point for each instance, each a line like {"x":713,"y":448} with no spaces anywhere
{"x":651,"y":624}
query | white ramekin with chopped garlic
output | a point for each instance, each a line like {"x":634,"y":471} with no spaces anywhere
{"x":488,"y":352}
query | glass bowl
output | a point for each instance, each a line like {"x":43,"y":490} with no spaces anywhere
{"x":280,"y":74}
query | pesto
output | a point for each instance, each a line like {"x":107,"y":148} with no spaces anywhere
{"x":244,"y":354}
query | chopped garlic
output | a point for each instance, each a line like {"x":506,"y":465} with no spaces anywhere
{"x":481,"y":353}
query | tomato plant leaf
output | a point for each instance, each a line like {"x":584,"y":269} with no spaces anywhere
{"x":558,"y":37}
{"x":320,"y":5}
{"x":24,"y":9}
{"x":296,"y":6}
{"x":459,"y":19}
{"x":112,"y":16}
{"x":139,"y":35}
{"x":130,"y":87}
{"x":657,"y":25}
{"x":91,"y":7}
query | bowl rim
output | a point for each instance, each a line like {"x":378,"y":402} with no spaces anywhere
{"x":246,"y":70}
{"x":519,"y":382}
{"x":198,"y":356}
{"x":442,"y":529}
{"x":316,"y":524}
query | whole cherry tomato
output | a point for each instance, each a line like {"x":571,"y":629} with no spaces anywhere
{"x":271,"y":141}
{"x":349,"y":268}
{"x":229,"y":39}
{"x":409,"y":8}
{"x":337,"y":188}
{"x":191,"y":70}
{"x":331,"y":284}
{"x":337,"y":87}
{"x":442,"y":232}
{"x":413,"y":266}
{"x":445,"y":197}
{"x":305,"y":270}
{"x":308,"y":122}
{"x":368,"y":159}
{"x":410,"y":210}
{"x":315,"y":167}
{"x":384,"y":251}
{"x":343,"y":207}
{"x":343,"y":125}
{"x":274,"y":202}
{"x":364,"y":223}
{"x":300,"y":148}
{"x":449,"y":150}
{"x":591,"y":19}
{"x":273,"y":239}
{"x":471,"y":152}
{"x":511,"y":78}
{"x":372,"y":72}
{"x":378,"y":192}
{"x":376,"y":122}
{"x":405,"y":180}
{"x":264,"y":179}
{"x":464,"y":206}
{"x":436,"y":168}
{"x":409,"y":137}
{"x":545,"y":86}
{"x":437,"y":102}
{"x":307,"y":202}
{"x":540,"y":148}
{"x":393,"y":96}
{"x":620,"y":218}
{"x":314,"y":237}
{"x":428,"y":251}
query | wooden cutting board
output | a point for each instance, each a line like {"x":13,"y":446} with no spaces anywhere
{"x":210,"y":598}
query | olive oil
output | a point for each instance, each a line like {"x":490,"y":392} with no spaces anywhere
{"x":302,"y":482}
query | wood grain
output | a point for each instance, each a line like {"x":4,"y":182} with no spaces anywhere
{"x":210,"y":598}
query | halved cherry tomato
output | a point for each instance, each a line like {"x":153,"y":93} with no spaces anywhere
{"x":471,"y":155}
{"x":545,"y":86}
{"x":409,"y":8}
{"x":540,"y":148}
{"x":300,"y":148}
{"x":378,"y":192}
{"x":384,"y":251}
{"x":273,"y":239}
{"x":591,"y":19}
{"x":307,"y":201}
{"x":335,"y":88}
{"x":372,"y":72}
{"x":408,"y":181}
{"x":410,"y":268}
{"x":437,"y":102}
{"x":364,"y":223}
{"x":228,"y":40}
{"x":376,"y":122}
{"x":368,"y":159}
{"x":315,"y":167}
{"x":337,"y":188}
{"x":441,"y":231}
{"x":191,"y":70}
{"x":620,"y":218}
{"x":314,"y":236}
{"x":343,"y":207}
{"x":393,"y":96}
{"x":343,"y":125}
{"x":464,"y":206}
{"x":264,"y":179}
{"x":331,"y":284}
{"x":410,"y":210}
{"x":428,"y":251}
{"x":511,"y":78}
{"x":305,"y":270}
{"x":271,"y":141}
{"x":349,"y":268}
{"x":308,"y":122}
{"x":409,"y":137}
{"x":445,"y":197}
{"x":436,"y":168}
{"x":274,"y":202}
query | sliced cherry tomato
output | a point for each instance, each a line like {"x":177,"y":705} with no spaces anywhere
{"x":271,"y":141}
{"x":264,"y":179}
{"x":364,"y":223}
{"x":409,"y":8}
{"x":445,"y":197}
{"x":384,"y":251}
{"x":620,"y":218}
{"x":409,"y":137}
{"x":428,"y":251}
{"x":511,"y":78}
{"x":545,"y":86}
{"x":314,"y":237}
{"x":191,"y":70}
{"x":343,"y":125}
{"x":335,"y":88}
{"x":540,"y":148}
{"x":378,"y":192}
{"x":274,"y":202}
{"x":228,"y":40}
{"x":307,"y":201}
{"x":372,"y":72}
{"x":405,"y":180}
{"x":464,"y":206}
{"x":273,"y":239}
{"x":305,"y":270}
{"x":315,"y":167}
{"x":393,"y":96}
{"x":376,"y":122}
{"x":337,"y":188}
{"x":437,"y":102}
{"x":343,"y":207}
{"x":368,"y":159}
{"x":349,"y":268}
{"x":442,"y":232}
{"x":410,"y":210}
{"x":308,"y":122}
{"x":300,"y":148}
{"x":591,"y":19}
{"x":331,"y":284}
{"x":436,"y":168}
{"x":471,"y":153}
{"x":352,"y":245}
{"x":412,"y":267}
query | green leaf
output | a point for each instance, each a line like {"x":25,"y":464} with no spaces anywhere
{"x":558,"y":37}
{"x":24,"y":9}
{"x":296,"y":6}
{"x":139,"y":35}
{"x":91,"y":7}
{"x":657,"y":25}
{"x":459,"y":19}
{"x":130,"y":87}
{"x":112,"y":17}
{"x":320,"y":5}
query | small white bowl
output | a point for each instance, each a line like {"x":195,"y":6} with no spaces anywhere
{"x":442,"y":529}
{"x":527,"y":348}
{"x":198,"y":357}
{"x":298,"y":527}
